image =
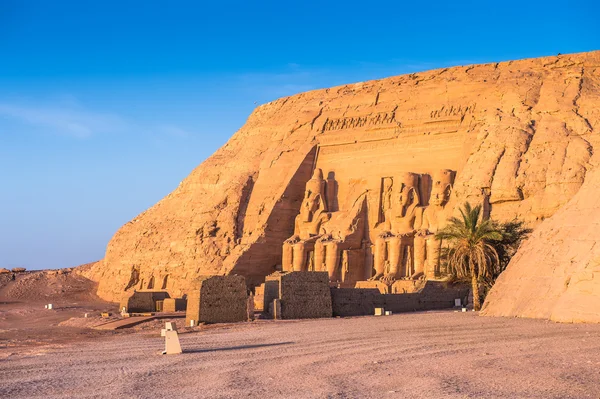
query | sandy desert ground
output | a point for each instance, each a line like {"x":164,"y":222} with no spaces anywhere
{"x":419,"y":355}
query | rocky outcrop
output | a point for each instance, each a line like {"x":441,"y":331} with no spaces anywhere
{"x":519,"y":135}
{"x":556,"y":273}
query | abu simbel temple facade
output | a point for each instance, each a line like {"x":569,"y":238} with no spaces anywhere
{"x":355,"y":181}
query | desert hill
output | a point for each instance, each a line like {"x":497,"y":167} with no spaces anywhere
{"x":519,"y":135}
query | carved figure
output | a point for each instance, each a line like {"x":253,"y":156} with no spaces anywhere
{"x":433,"y":218}
{"x":344,"y":231}
{"x":313,"y":213}
{"x":394,"y":244}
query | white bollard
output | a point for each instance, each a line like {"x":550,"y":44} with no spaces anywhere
{"x":169,"y":326}
{"x":172,"y":345}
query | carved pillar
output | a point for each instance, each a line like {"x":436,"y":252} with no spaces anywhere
{"x":319,"y":255}
{"x":332,"y":259}
{"x":419,"y":254}
{"x":368,"y":271}
{"x":299,"y":261}
{"x":287,"y":257}
{"x":379,"y":256}
{"x":433,"y":256}
{"x":395,"y":255}
{"x":345,"y":269}
{"x":408,"y":260}
{"x":331,"y":191}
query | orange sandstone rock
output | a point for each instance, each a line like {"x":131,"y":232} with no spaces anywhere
{"x":517,"y":135}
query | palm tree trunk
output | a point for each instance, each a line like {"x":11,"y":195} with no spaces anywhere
{"x":475,"y":288}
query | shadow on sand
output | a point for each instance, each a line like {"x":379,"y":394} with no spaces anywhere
{"x":233,"y":348}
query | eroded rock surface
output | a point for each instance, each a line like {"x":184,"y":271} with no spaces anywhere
{"x":556,"y":273}
{"x":518,"y":135}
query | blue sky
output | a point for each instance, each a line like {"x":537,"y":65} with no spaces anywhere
{"x":106,"y":106}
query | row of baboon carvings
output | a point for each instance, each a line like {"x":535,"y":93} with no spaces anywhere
{"x":401,"y":245}
{"x":383,"y":118}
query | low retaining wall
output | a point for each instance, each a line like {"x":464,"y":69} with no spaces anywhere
{"x":363,"y":301}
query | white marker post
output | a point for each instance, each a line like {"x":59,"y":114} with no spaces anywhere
{"x":172,"y":345}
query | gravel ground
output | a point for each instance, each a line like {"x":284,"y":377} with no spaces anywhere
{"x":418,"y":355}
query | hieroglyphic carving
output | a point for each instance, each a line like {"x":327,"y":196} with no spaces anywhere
{"x":447,"y":111}
{"x":429,"y":127}
{"x":432,"y":127}
{"x":385,"y":201}
{"x":351,"y":122}
{"x":376,"y":144}
{"x":354,"y":137}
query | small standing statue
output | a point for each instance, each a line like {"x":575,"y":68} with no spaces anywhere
{"x":313,"y":213}
{"x":398,"y":232}
{"x":433,"y":218}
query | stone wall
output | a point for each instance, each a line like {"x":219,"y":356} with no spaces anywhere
{"x":303,"y":295}
{"x":142,"y":301}
{"x":218,"y":299}
{"x":363,"y":301}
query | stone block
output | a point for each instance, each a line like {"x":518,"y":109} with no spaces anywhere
{"x":406,"y":286}
{"x":303,"y":295}
{"x":378,"y":285}
{"x":218,"y":299}
{"x":275,"y":309}
{"x":259,"y":298}
{"x":172,"y":305}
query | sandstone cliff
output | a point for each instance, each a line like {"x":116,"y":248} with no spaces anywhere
{"x":519,"y":134}
{"x":556,"y":273}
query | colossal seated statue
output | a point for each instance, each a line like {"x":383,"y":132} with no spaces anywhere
{"x":431,"y":219}
{"x":345,"y":231}
{"x":322,"y":233}
{"x":393,"y":245}
{"x":313,"y":213}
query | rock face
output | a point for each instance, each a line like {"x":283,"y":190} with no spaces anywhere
{"x":518,"y":136}
{"x":556,"y":273}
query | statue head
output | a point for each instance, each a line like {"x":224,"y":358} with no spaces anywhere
{"x":409,"y":193}
{"x":316,"y":183}
{"x":441,"y":187}
{"x":312,"y":203}
{"x":317,"y":174}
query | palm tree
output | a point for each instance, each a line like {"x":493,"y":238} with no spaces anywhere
{"x":471,"y":254}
